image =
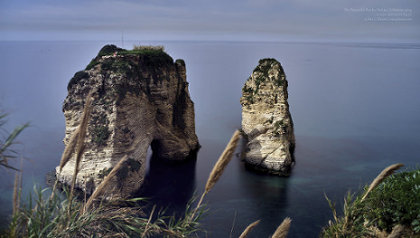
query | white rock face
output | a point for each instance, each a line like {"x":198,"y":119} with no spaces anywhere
{"x":266,"y":120}
{"x":141,"y":99}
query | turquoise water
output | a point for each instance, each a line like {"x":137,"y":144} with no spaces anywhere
{"x":356,"y":110}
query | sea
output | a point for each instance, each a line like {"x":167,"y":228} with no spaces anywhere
{"x":355,"y":107}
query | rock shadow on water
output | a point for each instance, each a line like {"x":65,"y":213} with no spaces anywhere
{"x":268,"y":198}
{"x":169,"y":185}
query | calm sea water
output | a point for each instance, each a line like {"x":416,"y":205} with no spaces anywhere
{"x":356,"y":109}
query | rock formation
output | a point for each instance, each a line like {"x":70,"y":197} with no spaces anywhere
{"x":140,"y":99}
{"x":266,"y":121}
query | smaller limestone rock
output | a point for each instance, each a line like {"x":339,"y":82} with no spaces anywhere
{"x":266,"y":120}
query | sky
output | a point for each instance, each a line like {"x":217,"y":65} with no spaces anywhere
{"x":236,"y":20}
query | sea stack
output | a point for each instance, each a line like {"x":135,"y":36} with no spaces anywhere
{"x":139,"y":99}
{"x":266,"y":121}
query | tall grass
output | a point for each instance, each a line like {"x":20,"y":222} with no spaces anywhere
{"x":62,"y":215}
{"x":283,"y":229}
{"x":389,"y":207}
{"x":219,"y":167}
{"x":7,"y":140}
{"x":249,"y":228}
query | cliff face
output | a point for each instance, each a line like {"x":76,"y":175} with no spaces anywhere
{"x":266,"y":120}
{"x":140,"y":99}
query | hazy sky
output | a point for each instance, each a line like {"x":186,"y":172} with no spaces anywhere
{"x":356,"y":20}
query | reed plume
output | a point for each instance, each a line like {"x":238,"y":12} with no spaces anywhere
{"x":249,"y":228}
{"x":68,"y":151}
{"x":396,"y":231}
{"x":78,"y":133}
{"x":80,"y":143}
{"x":219,"y":167}
{"x":383,"y":175}
{"x":16,"y":193}
{"x":148,"y":222}
{"x":101,"y":188}
{"x":283,"y":229}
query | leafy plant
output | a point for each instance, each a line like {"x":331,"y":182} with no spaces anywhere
{"x":396,"y":201}
{"x":7,"y":141}
{"x":385,"y":207}
{"x":76,"y":78}
{"x":100,"y":134}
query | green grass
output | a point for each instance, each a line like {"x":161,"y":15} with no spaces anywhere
{"x":50,"y":216}
{"x":149,"y":56}
{"x":7,"y":141}
{"x":396,"y":201}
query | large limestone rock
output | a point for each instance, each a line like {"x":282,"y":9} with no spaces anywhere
{"x":140,"y":99}
{"x":266,"y":121}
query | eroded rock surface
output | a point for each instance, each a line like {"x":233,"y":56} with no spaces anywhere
{"x":266,"y":120}
{"x":140,"y":99}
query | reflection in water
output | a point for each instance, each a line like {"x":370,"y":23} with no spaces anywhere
{"x":169,"y":184}
{"x":269,"y":195}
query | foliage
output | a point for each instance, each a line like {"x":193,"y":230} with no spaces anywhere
{"x":7,"y":141}
{"x":76,"y":78}
{"x":260,"y":75}
{"x":104,"y":172}
{"x":100,"y":131}
{"x":109,"y":50}
{"x":396,"y":201}
{"x":100,"y":134}
{"x":149,"y":55}
{"x":351,"y":223}
{"x":50,"y":216}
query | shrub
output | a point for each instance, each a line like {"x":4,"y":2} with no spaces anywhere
{"x":100,"y":131}
{"x":149,"y":47}
{"x":100,"y":134}
{"x":76,"y":78}
{"x":51,"y":216}
{"x":394,"y":202}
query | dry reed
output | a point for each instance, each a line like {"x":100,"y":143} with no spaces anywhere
{"x":16,"y":193}
{"x":78,"y":134}
{"x":80,"y":143}
{"x":148,"y":222}
{"x":376,"y":232}
{"x":218,"y":168}
{"x":249,"y":228}
{"x":383,"y":175}
{"x":396,"y":232}
{"x":101,"y":188}
{"x":283,"y":229}
{"x":68,"y":151}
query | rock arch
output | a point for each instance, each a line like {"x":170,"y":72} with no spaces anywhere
{"x":140,"y":99}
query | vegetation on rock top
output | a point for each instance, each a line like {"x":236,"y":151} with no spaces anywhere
{"x":261,"y":74}
{"x":151,"y":56}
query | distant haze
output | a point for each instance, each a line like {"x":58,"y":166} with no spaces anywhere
{"x":237,"y":20}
